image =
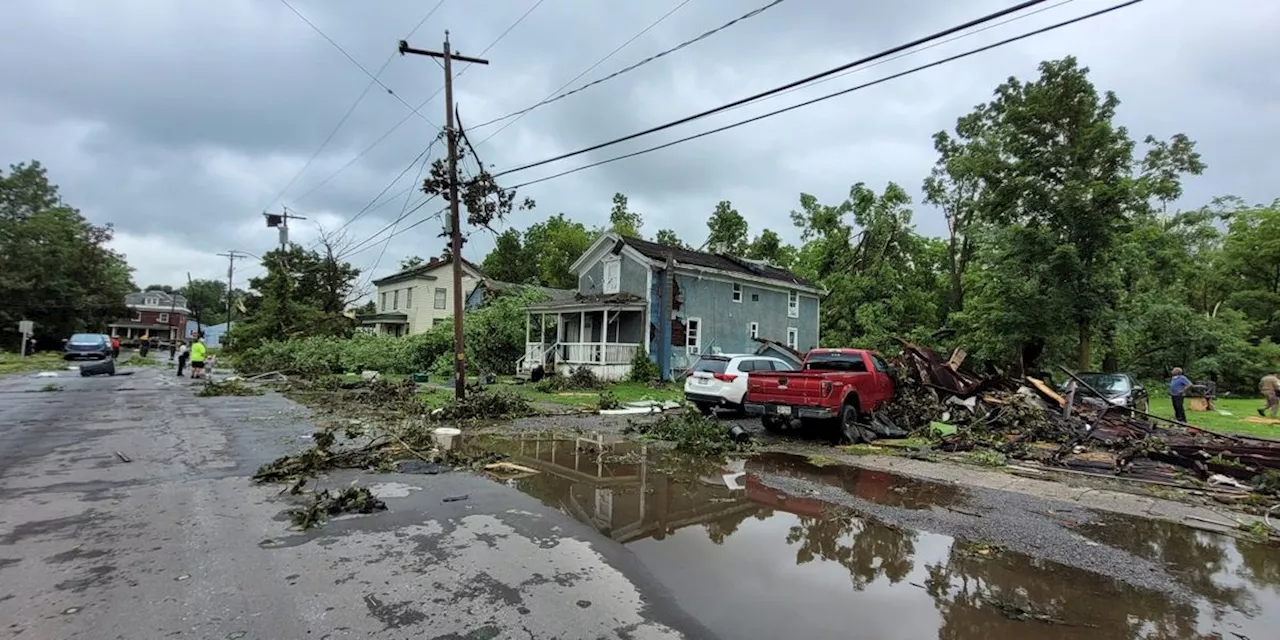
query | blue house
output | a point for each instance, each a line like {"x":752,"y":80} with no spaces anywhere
{"x":674,"y":303}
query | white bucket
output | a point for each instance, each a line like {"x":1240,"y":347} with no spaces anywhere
{"x":445,"y":437}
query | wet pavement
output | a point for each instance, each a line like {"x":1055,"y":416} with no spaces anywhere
{"x":126,"y":512}
{"x":774,"y":546}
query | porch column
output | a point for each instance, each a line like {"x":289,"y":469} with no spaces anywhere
{"x":528,"y":325}
{"x":582,"y":327}
{"x":604,"y":337}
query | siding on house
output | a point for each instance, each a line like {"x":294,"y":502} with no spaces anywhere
{"x":415,"y":296}
{"x":726,"y":325}
{"x":634,"y":276}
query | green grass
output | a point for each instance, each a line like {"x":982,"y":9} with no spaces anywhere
{"x":1238,"y":408}
{"x":624,"y":391}
{"x":42,"y":361}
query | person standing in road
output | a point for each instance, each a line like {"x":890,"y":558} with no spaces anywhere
{"x":183,"y":355}
{"x":173,"y":349}
{"x":1178,"y":386}
{"x":115,"y":346}
{"x":1270,"y":388}
{"x":197,"y":357}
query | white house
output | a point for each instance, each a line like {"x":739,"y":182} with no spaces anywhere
{"x":416,"y":299}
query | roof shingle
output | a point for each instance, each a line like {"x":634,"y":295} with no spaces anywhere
{"x":723,"y":262}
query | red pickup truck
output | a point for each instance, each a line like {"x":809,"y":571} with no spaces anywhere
{"x":831,"y":384}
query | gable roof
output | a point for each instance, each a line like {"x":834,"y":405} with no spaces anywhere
{"x":421,"y":270}
{"x":718,"y":261}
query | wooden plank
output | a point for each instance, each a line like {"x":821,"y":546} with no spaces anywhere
{"x":1046,"y":391}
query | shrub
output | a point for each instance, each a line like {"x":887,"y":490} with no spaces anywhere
{"x":642,"y":368}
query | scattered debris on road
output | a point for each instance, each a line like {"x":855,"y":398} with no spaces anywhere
{"x":123,"y":457}
{"x":325,"y":505}
{"x":228,"y":387}
{"x":691,"y":432}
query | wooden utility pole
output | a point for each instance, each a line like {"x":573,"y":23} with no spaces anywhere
{"x":281,"y":221}
{"x":231,"y":270}
{"x":455,"y":232}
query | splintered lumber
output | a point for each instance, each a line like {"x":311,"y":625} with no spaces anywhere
{"x":1046,"y":391}
{"x":509,"y":467}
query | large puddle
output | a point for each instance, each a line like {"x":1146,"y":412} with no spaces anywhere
{"x":750,"y":561}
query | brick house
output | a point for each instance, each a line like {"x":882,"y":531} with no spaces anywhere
{"x":162,"y":316}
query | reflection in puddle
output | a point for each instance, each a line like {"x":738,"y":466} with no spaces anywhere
{"x":751,"y":561}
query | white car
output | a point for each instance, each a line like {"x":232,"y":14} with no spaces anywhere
{"x":721,"y":380}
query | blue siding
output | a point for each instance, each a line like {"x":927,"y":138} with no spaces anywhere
{"x":726,"y":325}
{"x":634,"y":278}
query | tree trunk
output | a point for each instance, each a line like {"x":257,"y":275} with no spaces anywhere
{"x":1109,"y":360}
{"x":1084,"y":352}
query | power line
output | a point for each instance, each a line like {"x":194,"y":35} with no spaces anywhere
{"x":372,"y":239}
{"x":839,"y":93}
{"x":371,"y":75}
{"x":817,"y":76}
{"x":424,"y":103}
{"x":402,"y":211}
{"x":350,"y":110}
{"x":559,"y":96}
{"x":424,"y":156}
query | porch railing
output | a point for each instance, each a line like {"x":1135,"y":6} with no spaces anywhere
{"x":597,"y":352}
{"x":535,"y":353}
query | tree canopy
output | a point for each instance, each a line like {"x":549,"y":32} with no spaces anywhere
{"x":55,"y":266}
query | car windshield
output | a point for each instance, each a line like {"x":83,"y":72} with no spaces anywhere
{"x":86,"y":338}
{"x":1108,"y":383}
{"x":711,"y":365}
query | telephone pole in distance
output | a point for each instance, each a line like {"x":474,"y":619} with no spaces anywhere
{"x":281,"y":221}
{"x":231,"y":271}
{"x":455,"y":233}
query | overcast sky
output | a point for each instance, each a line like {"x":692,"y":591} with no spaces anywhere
{"x":180,"y":122}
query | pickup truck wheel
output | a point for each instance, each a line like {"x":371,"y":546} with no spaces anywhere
{"x":850,"y":432}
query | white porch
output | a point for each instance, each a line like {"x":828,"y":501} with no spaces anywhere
{"x":601,"y":338}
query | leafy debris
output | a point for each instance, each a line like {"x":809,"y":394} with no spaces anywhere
{"x":324,"y":505}
{"x":228,"y":387}
{"x":690,"y":431}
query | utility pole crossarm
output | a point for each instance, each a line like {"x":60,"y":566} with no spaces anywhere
{"x":405,"y":48}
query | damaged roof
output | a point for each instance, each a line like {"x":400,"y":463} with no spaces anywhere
{"x":719,"y":261}
{"x":553,"y":294}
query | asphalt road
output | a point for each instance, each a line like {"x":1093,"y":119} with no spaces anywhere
{"x":126,"y":512}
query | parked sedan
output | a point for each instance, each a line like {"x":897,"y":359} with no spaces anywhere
{"x":721,"y":380}
{"x":1119,"y":388}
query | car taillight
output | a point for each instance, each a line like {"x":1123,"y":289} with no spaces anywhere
{"x":825,"y":387}
{"x":725,"y":377}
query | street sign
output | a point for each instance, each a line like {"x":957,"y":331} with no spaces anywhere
{"x":26,"y":327}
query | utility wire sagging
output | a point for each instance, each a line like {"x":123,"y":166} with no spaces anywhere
{"x":817,"y":76}
{"x":836,"y":94}
{"x":556,"y":95}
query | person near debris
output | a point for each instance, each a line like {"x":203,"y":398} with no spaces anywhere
{"x":1270,"y":388}
{"x":183,"y":355}
{"x":173,"y":349}
{"x":1178,"y":386}
{"x":197,"y":357}
{"x":115,"y":346}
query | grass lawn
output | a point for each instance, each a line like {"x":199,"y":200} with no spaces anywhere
{"x":623,"y":391}
{"x":42,"y":361}
{"x":1228,"y":417}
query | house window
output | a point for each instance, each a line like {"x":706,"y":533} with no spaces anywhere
{"x":162,"y":318}
{"x":408,"y":298}
{"x":384,"y":301}
{"x":693,"y":336}
{"x":755,"y":297}
{"x":737,"y":292}
{"x":793,"y":304}
{"x":137,"y":315}
{"x":612,"y":275}
{"x":395,"y":300}
{"x":793,"y":338}
{"x":755,"y":330}
{"x":151,"y":302}
{"x":440,"y":296}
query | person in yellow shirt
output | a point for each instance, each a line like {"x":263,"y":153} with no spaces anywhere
{"x":197,"y":357}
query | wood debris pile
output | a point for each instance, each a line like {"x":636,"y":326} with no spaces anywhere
{"x":1029,"y":420}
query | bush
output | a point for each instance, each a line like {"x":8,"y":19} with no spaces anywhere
{"x":642,"y":368}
